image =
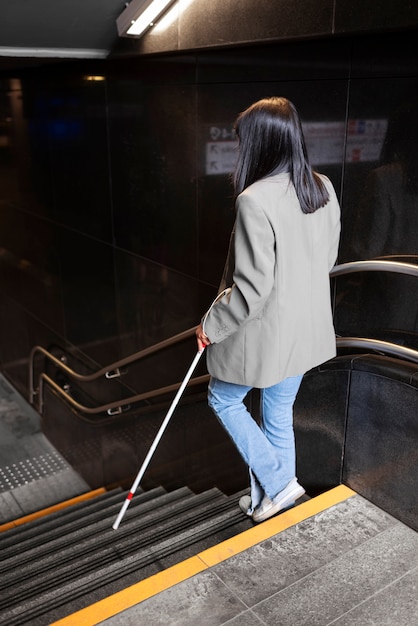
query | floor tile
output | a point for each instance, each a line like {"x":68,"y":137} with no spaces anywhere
{"x":278,"y":562}
{"x":326,"y":594}
{"x":9,"y":508}
{"x":201,"y":600}
{"x":395,"y":604}
{"x":245,"y":619}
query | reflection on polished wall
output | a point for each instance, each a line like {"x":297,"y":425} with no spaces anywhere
{"x":115,"y":198}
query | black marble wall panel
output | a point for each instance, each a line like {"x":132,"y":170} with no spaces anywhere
{"x":152,"y":141}
{"x":12,"y":249}
{"x":79,"y":152}
{"x":29,"y":264}
{"x":59,"y":142}
{"x":381,"y":453}
{"x":79,"y":442}
{"x":154,"y":302}
{"x":380,"y":305}
{"x":358,"y":15}
{"x":15,"y":343}
{"x":319,"y":420}
{"x":381,"y":181}
{"x":88,"y":292}
{"x":327,"y":59}
{"x":23,"y":165}
{"x":389,"y":55}
{"x":383,"y":97}
{"x":220,"y":23}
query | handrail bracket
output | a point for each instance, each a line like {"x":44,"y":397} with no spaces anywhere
{"x":116,"y":373}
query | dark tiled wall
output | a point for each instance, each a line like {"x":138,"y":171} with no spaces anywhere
{"x":198,"y":24}
{"x":115,"y":197}
{"x":349,"y":428}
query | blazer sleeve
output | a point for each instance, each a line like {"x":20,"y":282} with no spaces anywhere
{"x":253,"y":275}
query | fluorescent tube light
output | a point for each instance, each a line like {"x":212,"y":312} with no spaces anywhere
{"x":140,"y":15}
{"x":171,"y":16}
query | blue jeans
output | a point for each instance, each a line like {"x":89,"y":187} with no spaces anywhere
{"x":268,"y":449}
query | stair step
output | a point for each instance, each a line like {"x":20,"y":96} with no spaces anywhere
{"x":95,"y":584}
{"x":92,"y":554}
{"x":75,"y":516}
{"x":42,"y":523}
{"x":77,"y":558}
{"x":71,"y":537}
{"x":98,"y":544}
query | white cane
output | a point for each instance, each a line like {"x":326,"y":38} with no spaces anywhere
{"x":157,"y":440}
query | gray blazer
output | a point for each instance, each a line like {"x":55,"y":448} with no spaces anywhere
{"x":276,"y":321}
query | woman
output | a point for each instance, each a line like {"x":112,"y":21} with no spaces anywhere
{"x":274,"y":322}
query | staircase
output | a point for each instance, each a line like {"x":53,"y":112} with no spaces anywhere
{"x":58,"y":564}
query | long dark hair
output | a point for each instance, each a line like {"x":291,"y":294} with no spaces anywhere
{"x":270,"y":141}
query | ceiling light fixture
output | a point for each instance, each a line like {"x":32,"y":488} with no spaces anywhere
{"x":171,"y":16}
{"x":140,"y":15}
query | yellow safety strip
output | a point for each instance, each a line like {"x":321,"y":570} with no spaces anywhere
{"x":118,"y":602}
{"x":52,"y":509}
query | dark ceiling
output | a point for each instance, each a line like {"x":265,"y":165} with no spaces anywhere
{"x":36,"y":31}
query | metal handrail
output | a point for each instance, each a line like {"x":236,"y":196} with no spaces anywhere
{"x":113,"y":370}
{"x":380,"y":346}
{"x":112,"y":408}
{"x":375,"y":265}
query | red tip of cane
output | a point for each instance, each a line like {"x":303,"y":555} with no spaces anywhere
{"x":130,"y":496}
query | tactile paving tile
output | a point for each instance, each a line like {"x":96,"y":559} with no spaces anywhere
{"x":28,"y":470}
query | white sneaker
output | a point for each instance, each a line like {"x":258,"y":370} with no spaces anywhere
{"x":245,"y":505}
{"x":268,"y":508}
